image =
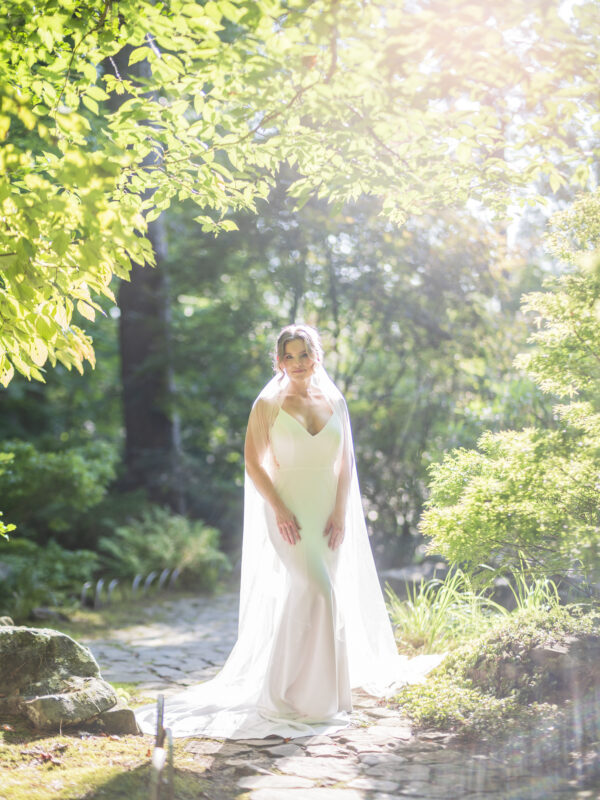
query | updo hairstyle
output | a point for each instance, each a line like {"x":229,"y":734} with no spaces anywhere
{"x":305,"y":333}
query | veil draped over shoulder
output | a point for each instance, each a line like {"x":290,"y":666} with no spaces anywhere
{"x":226,"y":706}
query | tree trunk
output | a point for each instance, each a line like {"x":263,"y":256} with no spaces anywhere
{"x":152,"y":455}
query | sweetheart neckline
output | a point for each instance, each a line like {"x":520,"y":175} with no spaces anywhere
{"x":308,"y":433}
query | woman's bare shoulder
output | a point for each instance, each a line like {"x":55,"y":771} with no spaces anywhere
{"x":264,"y":405}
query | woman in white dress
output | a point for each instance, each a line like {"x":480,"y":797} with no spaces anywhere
{"x":313,"y":623}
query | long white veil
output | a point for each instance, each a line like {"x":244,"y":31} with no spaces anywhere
{"x":226,"y":706}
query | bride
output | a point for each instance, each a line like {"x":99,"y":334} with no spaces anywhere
{"x":312,"y":622}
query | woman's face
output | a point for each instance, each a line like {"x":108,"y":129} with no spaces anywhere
{"x":296,"y":361}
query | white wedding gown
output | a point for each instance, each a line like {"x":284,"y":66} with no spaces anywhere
{"x":307,"y":676}
{"x":313,"y":622}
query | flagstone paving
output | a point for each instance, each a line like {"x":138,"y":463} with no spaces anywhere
{"x":380,"y":758}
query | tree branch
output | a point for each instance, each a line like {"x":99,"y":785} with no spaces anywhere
{"x":107,"y":5}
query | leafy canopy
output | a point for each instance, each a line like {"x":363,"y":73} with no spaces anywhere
{"x":359,"y":98}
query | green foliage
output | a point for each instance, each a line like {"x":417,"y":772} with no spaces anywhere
{"x":216,"y":97}
{"x":5,"y":528}
{"x":113,"y":510}
{"x":158,"y":539}
{"x":565,"y":360}
{"x":533,"y":596}
{"x":437,"y":615}
{"x":487,"y":662}
{"x":47,"y":494}
{"x":445,"y":704}
{"x":521,"y":495}
{"x":33,"y":575}
{"x":576,"y":230}
{"x":492,"y":682}
{"x":419,"y":326}
{"x":532,"y":496}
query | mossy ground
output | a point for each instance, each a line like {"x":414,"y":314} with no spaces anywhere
{"x":75,"y":765}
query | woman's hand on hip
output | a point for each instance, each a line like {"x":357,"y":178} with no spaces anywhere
{"x":288,"y":525}
{"x":335,"y":529}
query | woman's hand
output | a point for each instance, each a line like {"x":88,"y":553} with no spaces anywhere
{"x":288,"y":525}
{"x":335,"y":528}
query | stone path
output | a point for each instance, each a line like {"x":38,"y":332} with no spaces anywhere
{"x":379,"y":758}
{"x":184,"y":642}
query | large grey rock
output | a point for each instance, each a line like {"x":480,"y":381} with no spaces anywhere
{"x":558,"y":670}
{"x":80,"y":700}
{"x":118,"y":719}
{"x":52,"y":680}
{"x":37,"y":661}
{"x":573,"y":664}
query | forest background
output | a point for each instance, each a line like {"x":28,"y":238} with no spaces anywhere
{"x":387,"y":183}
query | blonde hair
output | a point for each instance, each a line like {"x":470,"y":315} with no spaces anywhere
{"x":304,"y":333}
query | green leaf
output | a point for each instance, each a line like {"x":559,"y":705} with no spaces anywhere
{"x":61,"y":242}
{"x":139,"y":54}
{"x":153,"y":214}
{"x":7,"y":371}
{"x":230,"y":11}
{"x":86,"y":310}
{"x":38,"y":352}
{"x":89,"y":70}
{"x":198,"y":103}
{"x":97,"y":93}
{"x":213,"y":10}
{"x":45,"y":328}
{"x":463,"y":152}
{"x":555,"y":181}
{"x":90,"y":103}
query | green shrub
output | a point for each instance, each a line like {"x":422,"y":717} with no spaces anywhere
{"x":489,"y":663}
{"x":524,"y":496}
{"x":113,"y":510}
{"x":159,"y":539}
{"x":45,"y":494}
{"x":448,"y":705}
{"x":32,"y":575}
{"x":492,"y":682}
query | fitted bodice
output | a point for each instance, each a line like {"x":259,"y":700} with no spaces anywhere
{"x":293,"y":447}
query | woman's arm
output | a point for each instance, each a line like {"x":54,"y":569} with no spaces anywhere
{"x":255,"y":448}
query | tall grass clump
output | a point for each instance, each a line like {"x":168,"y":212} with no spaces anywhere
{"x":438,"y":614}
